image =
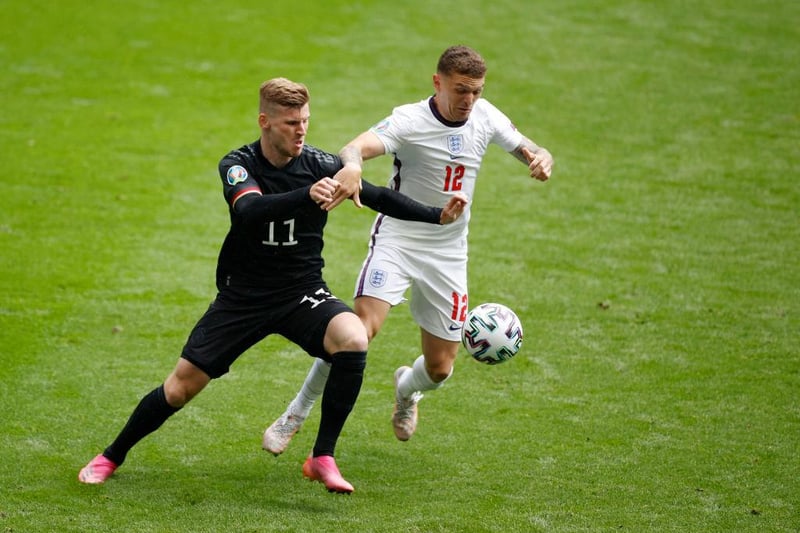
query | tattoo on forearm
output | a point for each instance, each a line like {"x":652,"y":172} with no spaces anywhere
{"x":525,"y":143}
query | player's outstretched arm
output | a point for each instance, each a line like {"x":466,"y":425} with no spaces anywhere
{"x":257,"y":208}
{"x":538,"y":159}
{"x":365,"y":146}
{"x":398,"y":205}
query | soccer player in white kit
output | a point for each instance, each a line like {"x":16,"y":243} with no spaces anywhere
{"x":438,"y":145}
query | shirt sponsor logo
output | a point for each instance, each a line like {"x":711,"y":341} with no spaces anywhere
{"x":377,"y":278}
{"x":455,"y":143}
{"x":236,"y":174}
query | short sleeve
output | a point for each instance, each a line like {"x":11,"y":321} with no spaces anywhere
{"x":236,"y":180}
{"x":505,"y":133}
{"x":393,"y":130}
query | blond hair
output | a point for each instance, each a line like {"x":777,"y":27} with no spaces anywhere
{"x":281,"y":92}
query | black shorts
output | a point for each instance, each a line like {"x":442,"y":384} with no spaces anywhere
{"x":237,"y":319}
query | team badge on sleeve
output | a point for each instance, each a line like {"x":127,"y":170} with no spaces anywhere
{"x":236,"y":174}
{"x":381,"y":126}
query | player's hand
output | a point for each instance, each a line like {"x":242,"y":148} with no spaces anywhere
{"x":349,"y":179}
{"x":454,"y":208}
{"x":540,"y":163}
{"x":322,"y":191}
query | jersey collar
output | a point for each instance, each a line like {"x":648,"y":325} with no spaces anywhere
{"x":440,"y":118}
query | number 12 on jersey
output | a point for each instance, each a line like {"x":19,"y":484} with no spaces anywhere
{"x":453,"y":177}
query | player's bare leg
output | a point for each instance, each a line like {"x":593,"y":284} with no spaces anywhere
{"x":372,"y":312}
{"x":440,"y":355}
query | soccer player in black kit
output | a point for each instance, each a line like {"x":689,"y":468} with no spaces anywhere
{"x":269,"y":280}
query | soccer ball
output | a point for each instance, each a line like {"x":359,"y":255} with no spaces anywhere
{"x":492,"y":333}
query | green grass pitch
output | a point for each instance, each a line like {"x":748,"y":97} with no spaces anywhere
{"x":657,"y":274}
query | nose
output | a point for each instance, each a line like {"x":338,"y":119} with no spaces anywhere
{"x":468,"y":100}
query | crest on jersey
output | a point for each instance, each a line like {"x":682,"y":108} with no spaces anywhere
{"x":455,"y":143}
{"x":236,"y":174}
{"x":377,"y":278}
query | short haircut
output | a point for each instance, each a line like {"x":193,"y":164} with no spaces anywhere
{"x":461,"y":60}
{"x":281,"y":92}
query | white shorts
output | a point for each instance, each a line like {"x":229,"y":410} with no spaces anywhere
{"x":438,"y":283}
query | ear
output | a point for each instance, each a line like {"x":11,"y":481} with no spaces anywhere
{"x":436,"y":82}
{"x":263,"y":121}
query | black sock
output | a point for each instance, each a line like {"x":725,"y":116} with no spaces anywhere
{"x":152,"y":411}
{"x":338,"y":399}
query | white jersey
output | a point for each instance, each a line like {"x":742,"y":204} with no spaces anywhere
{"x":434,"y":158}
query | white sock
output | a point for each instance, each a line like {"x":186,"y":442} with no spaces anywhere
{"x":418,"y":379}
{"x":312,"y":389}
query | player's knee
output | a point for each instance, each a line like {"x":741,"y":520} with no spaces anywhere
{"x":179,"y":391}
{"x":356,"y":342}
{"x":176,"y":394}
{"x":346,"y":333}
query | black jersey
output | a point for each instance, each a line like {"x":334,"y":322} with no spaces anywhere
{"x":279,"y":244}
